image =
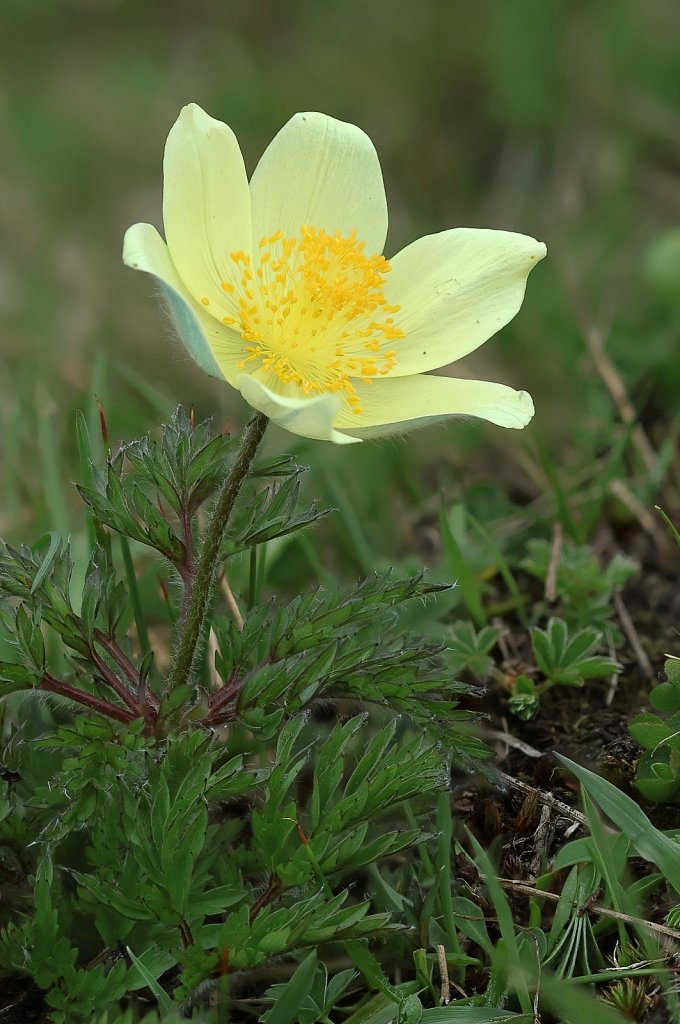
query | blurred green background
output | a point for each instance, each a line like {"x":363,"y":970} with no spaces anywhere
{"x":557,"y":118}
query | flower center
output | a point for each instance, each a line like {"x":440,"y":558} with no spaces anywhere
{"x":312,"y":310}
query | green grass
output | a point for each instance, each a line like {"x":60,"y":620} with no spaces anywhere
{"x":554,"y":119}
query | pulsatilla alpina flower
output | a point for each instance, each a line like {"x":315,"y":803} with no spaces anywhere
{"x":280,"y":286}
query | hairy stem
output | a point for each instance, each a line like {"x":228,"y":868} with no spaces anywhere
{"x":52,"y":685}
{"x":115,"y":651}
{"x":119,"y":656}
{"x":187,"y":567}
{"x":200,"y":589}
{"x":112,"y":680}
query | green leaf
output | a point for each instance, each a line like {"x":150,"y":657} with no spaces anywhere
{"x":648,"y":729}
{"x":16,"y":677}
{"x":505,"y":921}
{"x":163,"y":999}
{"x":156,"y":960}
{"x":567,"y":659}
{"x":126,"y":906}
{"x":30,"y":638}
{"x":666,"y":697}
{"x":648,"y":841}
{"x":270,"y":514}
{"x":46,"y":564}
{"x":330,"y":766}
{"x":470,"y":648}
{"x":669,"y":524}
{"x":336,"y":986}
{"x":293,"y":994}
{"x":474,"y":1015}
{"x":469,"y":919}
{"x":564,"y":911}
{"x":158,"y":532}
{"x":569,"y":1003}
{"x":525,"y":699}
{"x":215,"y":901}
{"x":229,"y":780}
{"x":274,"y":465}
{"x":672,"y":669}
{"x":179,"y":855}
{"x":178,"y":698}
{"x":583,"y":588}
{"x":451,"y":539}
{"x":655,"y":777}
{"x":374,"y":755}
{"x":411,"y":1010}
{"x":384,"y":1008}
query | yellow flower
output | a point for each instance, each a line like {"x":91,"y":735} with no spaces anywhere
{"x":279,"y":287}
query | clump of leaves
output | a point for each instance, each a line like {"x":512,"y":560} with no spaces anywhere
{"x":562,"y":659}
{"x":471,"y":648}
{"x":570,"y":649}
{"x":658,"y":770}
{"x":583,"y":586}
{"x":180,"y":833}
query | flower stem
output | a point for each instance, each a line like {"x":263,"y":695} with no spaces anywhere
{"x":206,"y":569}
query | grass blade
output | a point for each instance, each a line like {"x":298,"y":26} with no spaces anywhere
{"x":572,"y":1006}
{"x":85,"y":458}
{"x":133,"y":588}
{"x":650,"y":843}
{"x":50,"y":464}
{"x":505,"y":923}
{"x":162,"y":997}
{"x":443,"y":872}
{"x":469,"y":586}
{"x":669,"y":524}
{"x":604,"y":849}
{"x":474,"y":1015}
{"x":502,"y":566}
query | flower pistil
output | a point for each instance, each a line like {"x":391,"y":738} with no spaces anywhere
{"x":312,"y":310}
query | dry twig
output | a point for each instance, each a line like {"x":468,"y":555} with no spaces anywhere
{"x":616,"y":388}
{"x":632,"y":636}
{"x":649,"y":524}
{"x":546,"y":798}
{"x":616,"y":915}
{"x":511,"y":741}
{"x":551,"y":576}
{"x":444,"y":976}
{"x":231,"y":602}
{"x":613,"y":681}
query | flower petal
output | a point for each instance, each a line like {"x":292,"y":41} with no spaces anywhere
{"x":308,"y":417}
{"x":206,"y":205}
{"x":456,"y":289}
{"x":394,"y":405}
{"x":211,"y":345}
{"x":323,"y":173}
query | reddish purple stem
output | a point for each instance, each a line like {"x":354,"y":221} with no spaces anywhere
{"x":52,"y":685}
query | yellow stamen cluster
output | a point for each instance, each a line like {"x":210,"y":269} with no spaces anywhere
{"x":312,"y":310}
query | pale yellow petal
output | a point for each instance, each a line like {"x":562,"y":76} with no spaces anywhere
{"x":456,"y":289}
{"x":325,"y":174}
{"x":214,"y":347}
{"x":394,"y":405}
{"x":206,"y":206}
{"x":311,"y":416}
